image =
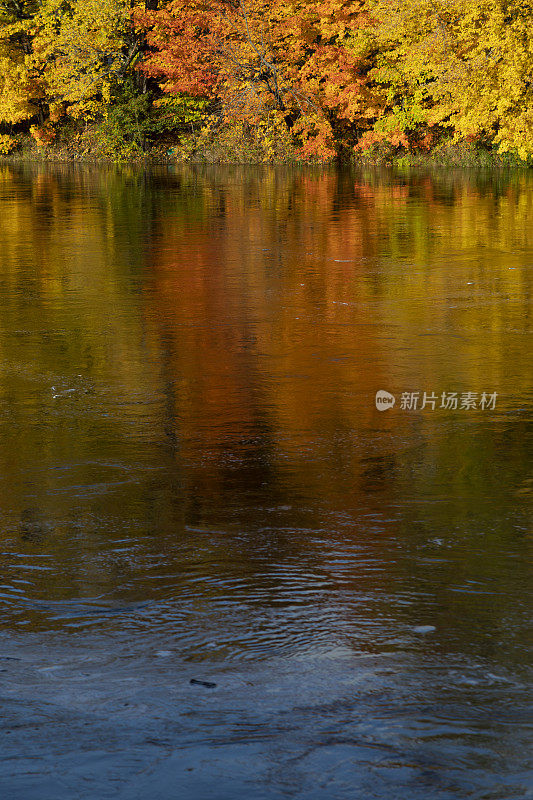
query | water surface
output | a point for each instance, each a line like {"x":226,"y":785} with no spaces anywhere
{"x":195,"y":483}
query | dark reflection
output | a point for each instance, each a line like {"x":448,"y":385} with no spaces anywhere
{"x":31,"y":528}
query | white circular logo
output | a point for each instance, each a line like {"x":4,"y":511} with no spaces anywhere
{"x":384,"y":400}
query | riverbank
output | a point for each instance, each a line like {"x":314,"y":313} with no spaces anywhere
{"x":232,"y":147}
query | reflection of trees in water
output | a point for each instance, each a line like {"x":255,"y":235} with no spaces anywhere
{"x":224,"y":332}
{"x":242,"y":319}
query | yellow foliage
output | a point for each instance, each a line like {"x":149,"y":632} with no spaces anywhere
{"x":20,"y":89}
{"x":15,"y":87}
{"x":79,"y":47}
{"x":7,"y":144}
{"x":469,"y":60}
{"x":62,"y":55}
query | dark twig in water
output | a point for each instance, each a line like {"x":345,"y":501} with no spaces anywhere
{"x":207,"y":684}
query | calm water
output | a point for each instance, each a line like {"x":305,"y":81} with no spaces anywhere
{"x":195,"y":483}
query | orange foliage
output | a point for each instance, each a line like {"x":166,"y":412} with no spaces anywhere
{"x":43,"y":134}
{"x":255,"y":57}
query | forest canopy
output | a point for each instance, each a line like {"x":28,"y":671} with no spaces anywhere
{"x":313,"y":79}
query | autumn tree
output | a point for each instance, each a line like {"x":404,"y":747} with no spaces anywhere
{"x":22,"y":94}
{"x":294,"y":61}
{"x":460,"y":65}
{"x":81,"y":48}
{"x":64,"y":58}
{"x":323,"y":76}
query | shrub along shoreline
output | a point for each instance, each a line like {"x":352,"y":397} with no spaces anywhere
{"x":448,"y":154}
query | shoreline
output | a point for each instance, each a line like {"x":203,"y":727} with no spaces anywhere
{"x":447,"y":155}
{"x":487,"y":162}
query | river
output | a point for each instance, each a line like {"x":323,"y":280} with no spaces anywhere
{"x":197,"y":484}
